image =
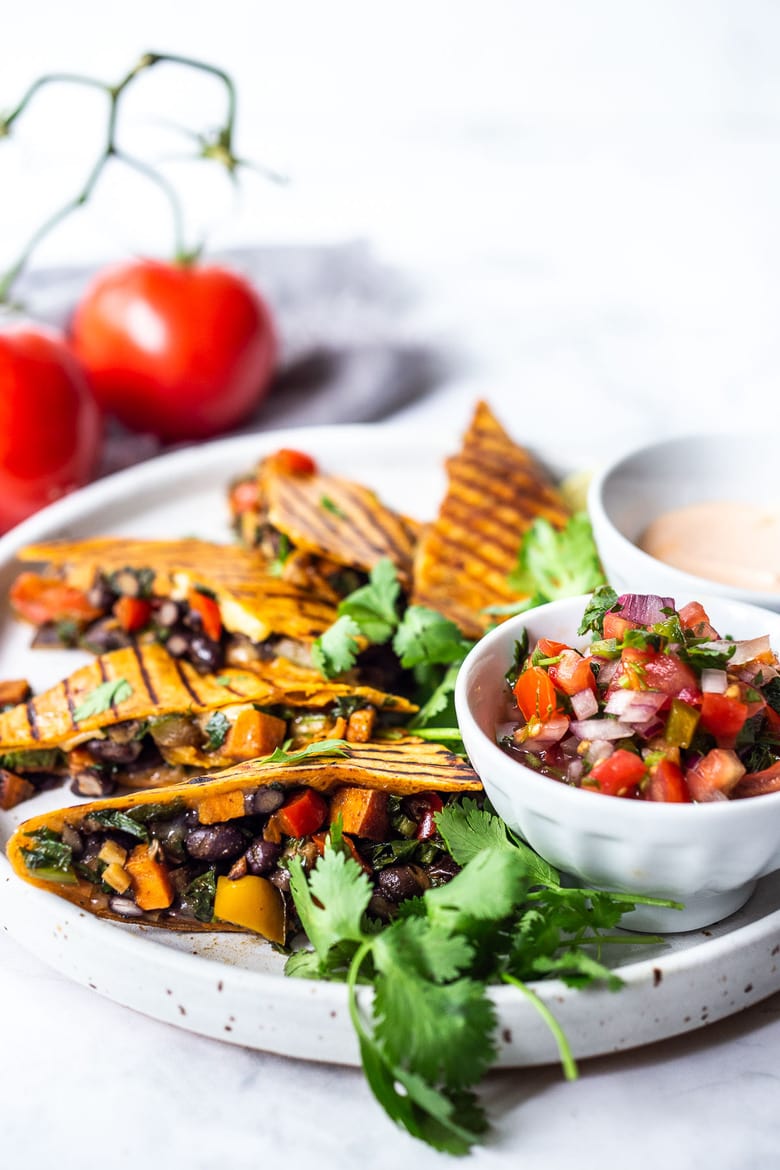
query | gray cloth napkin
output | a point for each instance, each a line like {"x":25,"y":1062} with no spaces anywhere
{"x":348,"y":347}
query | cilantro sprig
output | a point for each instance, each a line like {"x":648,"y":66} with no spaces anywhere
{"x":428,"y":1034}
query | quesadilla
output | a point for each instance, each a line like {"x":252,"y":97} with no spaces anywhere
{"x":140,"y":718}
{"x":496,"y":489}
{"x":211,"y":604}
{"x":215,"y":854}
{"x":324,"y":530}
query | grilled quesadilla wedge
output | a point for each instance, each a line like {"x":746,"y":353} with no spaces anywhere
{"x":215,"y":854}
{"x":140,"y":718}
{"x":210,"y":603}
{"x":496,"y":489}
{"x":323,"y":529}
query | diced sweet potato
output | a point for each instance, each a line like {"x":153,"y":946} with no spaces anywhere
{"x":360,"y":726}
{"x":149,"y":877}
{"x":14,"y":789}
{"x":363,"y":812}
{"x":222,"y":806}
{"x":253,"y":734}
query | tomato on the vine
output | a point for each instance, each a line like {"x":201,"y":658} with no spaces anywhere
{"x":50,"y":426}
{"x":180,"y":350}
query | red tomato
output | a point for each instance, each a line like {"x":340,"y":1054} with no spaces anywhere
{"x":616,"y":626}
{"x":722,"y":716}
{"x":668,"y":783}
{"x":693,"y":616}
{"x":550,"y":649}
{"x":183,"y":351}
{"x":287,"y":461}
{"x":618,"y":775}
{"x":714,"y":775}
{"x":49,"y":424}
{"x":535,"y":694}
{"x":573,"y":673}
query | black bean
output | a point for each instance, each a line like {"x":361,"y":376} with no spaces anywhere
{"x":267,"y":800}
{"x":398,"y":882}
{"x":205,"y":655}
{"x":215,"y":842}
{"x":193,"y":620}
{"x":91,"y":782}
{"x":168,"y":613}
{"x":107,"y":751}
{"x":124,"y":732}
{"x":101,"y":596}
{"x":442,"y":871}
{"x":261,"y":856}
{"x":105,"y":635}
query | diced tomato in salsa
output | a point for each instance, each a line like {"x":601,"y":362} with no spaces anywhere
{"x":619,"y":775}
{"x":535,"y":694}
{"x":573,"y":673}
{"x":667,"y":783}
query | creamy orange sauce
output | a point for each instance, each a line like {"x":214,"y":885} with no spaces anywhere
{"x":737,"y":544}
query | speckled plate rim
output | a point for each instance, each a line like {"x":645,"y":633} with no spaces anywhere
{"x":210,"y":984}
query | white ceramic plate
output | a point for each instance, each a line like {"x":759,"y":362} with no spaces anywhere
{"x":231,"y":987}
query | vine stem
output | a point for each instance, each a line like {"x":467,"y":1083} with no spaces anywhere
{"x":112,"y":151}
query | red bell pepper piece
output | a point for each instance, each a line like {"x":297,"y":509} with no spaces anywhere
{"x":210,"y":616}
{"x":45,"y":599}
{"x":303,"y":814}
{"x":132,"y":613}
{"x":290,"y":462}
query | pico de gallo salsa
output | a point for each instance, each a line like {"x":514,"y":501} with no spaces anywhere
{"x":659,"y":706}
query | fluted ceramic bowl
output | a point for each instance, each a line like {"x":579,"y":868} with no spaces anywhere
{"x":629,"y":493}
{"x":706,"y":856}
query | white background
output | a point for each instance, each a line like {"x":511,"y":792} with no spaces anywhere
{"x":588,"y":190}
{"x":587,"y":194}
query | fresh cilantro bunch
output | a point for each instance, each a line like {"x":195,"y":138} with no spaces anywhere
{"x":428,"y":1035}
{"x":425,"y":642}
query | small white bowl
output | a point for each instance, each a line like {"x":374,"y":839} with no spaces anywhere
{"x":628,"y":494}
{"x":707,"y":856}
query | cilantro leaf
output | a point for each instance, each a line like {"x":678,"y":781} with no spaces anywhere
{"x":108,"y":694}
{"x":439,"y":701}
{"x":603,"y":600}
{"x":425,"y":636}
{"x":373,"y":607}
{"x":331,"y":904}
{"x":425,"y":1016}
{"x":320,"y":747}
{"x":331,"y":506}
{"x":558,"y":562}
{"x":216,"y":730}
{"x":336,"y":650}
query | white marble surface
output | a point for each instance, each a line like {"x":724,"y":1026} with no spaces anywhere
{"x":587,"y":196}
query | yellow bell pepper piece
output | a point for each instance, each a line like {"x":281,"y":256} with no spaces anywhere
{"x":253,"y":902}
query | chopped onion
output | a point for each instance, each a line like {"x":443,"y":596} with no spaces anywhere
{"x":584,"y":704}
{"x":644,"y":608}
{"x":548,"y":733}
{"x":600,"y":729}
{"x":714,"y":682}
{"x":599,"y":749}
{"x":635,"y":706}
{"x":607,"y":668}
{"x":505,"y":729}
{"x":575,"y":770}
{"x":744,"y":651}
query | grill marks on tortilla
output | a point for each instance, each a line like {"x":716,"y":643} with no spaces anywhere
{"x":496,"y":489}
{"x":402,"y":766}
{"x":337,"y":519}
